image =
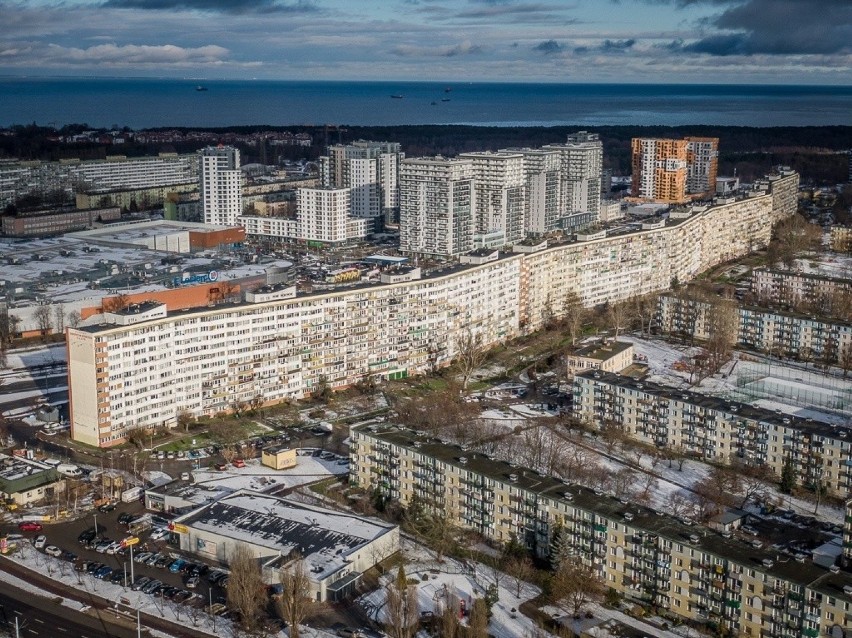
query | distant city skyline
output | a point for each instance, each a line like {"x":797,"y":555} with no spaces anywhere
{"x":636,"y":41}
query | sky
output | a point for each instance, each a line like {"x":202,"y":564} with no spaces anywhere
{"x":635,"y":41}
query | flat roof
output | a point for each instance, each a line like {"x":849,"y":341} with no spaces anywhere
{"x":324,"y":538}
{"x":601,"y":351}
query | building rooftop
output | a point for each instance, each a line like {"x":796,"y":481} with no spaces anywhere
{"x":18,"y":474}
{"x":277,"y":449}
{"x":600,"y":351}
{"x":324,"y":538}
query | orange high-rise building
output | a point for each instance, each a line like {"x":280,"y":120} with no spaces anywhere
{"x":674,"y":171}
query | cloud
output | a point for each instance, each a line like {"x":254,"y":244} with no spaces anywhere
{"x":450,"y":51}
{"x":547,"y":47}
{"x":773,"y":27}
{"x":121,"y":56}
{"x":217,"y":6}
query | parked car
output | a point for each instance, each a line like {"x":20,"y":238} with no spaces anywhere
{"x":107,"y":507}
{"x":163,"y":561}
{"x":176,"y":565}
{"x":159,"y":534}
{"x":238,"y":463}
{"x":181,"y":596}
{"x":192,"y":582}
{"x":53,"y":550}
{"x":140,"y":582}
{"x":151,"y":586}
{"x":199,"y":569}
{"x":220,"y":466}
{"x":104,"y":545}
{"x":124,"y":518}
{"x":117,"y":577}
{"x":40,"y":541}
{"x":152,"y":559}
{"x":141,"y":557}
{"x":30,"y":526}
{"x":103,"y":572}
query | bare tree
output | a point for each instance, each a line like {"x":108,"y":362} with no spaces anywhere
{"x":575,"y":584}
{"x":644,"y":307}
{"x":43,"y":320}
{"x":115,"y":304}
{"x":449,"y":626}
{"x":59,"y":317}
{"x":471,"y":354}
{"x":246,"y":589}
{"x":844,"y":360}
{"x":402,"y":610}
{"x":617,"y":314}
{"x":296,"y":603}
{"x":184,"y":419}
{"x":478,"y":622}
{"x":74,"y":318}
{"x":521,"y":570}
{"x":573,"y":314}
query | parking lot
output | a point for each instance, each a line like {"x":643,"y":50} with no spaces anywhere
{"x":187,"y":583}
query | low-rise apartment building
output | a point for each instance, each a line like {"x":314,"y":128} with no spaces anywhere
{"x":608,"y":356}
{"x":717,"y":430}
{"x":42,"y":223}
{"x":779,"y":332}
{"x":642,"y":554}
{"x":840,"y":239}
{"x":796,"y":288}
{"x":126,"y":377}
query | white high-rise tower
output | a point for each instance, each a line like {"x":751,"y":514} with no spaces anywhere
{"x":221,"y":185}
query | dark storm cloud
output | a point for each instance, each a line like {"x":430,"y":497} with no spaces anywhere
{"x":218,"y":6}
{"x":607,"y":46}
{"x":774,"y":27}
{"x":547,"y":47}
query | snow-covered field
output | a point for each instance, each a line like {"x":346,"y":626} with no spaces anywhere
{"x":749,"y":378}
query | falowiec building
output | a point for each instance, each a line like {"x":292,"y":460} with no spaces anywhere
{"x":130,"y":373}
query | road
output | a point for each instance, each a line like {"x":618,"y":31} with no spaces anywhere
{"x":42,"y":618}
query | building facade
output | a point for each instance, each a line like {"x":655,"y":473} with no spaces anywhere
{"x":220,"y":185}
{"x":51,"y":222}
{"x":371,"y":170}
{"x":543,"y":188}
{"x":581,"y":166}
{"x":644,"y":555}
{"x":702,"y":165}
{"x":499,"y":182}
{"x":437,"y":206}
{"x":716,"y":429}
{"x":659,"y":170}
{"x":125,"y":377}
{"x":323,"y":215}
{"x":771,"y":286}
{"x":773,"y":331}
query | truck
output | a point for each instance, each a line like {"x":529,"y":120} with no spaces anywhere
{"x":132,"y":494}
{"x":69,"y":470}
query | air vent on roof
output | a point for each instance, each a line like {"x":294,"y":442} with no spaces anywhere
{"x":847,"y":589}
{"x":628,"y":516}
{"x":767,"y":562}
{"x":513,"y":478}
{"x":834,"y":569}
{"x":693,"y":538}
{"x":463,"y":460}
{"x":568,"y":496}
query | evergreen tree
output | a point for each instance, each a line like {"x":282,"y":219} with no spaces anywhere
{"x":788,"y":477}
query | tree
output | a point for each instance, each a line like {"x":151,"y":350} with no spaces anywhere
{"x":59,"y":317}
{"x":471,"y":354}
{"x":478,"y":620}
{"x":246,"y":589}
{"x":617,"y":317}
{"x":184,"y":419}
{"x":521,"y":570}
{"x":575,"y":584}
{"x":788,"y":477}
{"x":844,"y":360}
{"x":573,"y":314}
{"x":238,"y":407}
{"x":644,"y":307}
{"x":322,"y":389}
{"x":256,"y":403}
{"x":43,"y":320}
{"x":296,"y":603}
{"x":115,"y":304}
{"x":402,"y":610}
{"x":449,"y":626}
{"x":74,"y":318}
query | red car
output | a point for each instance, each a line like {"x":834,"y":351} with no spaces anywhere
{"x":29,"y":526}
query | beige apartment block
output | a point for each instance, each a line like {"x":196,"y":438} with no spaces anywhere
{"x":795,"y":288}
{"x":647,"y":556}
{"x":715,"y":429}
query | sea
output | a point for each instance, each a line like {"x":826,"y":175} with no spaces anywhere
{"x":147,"y":103}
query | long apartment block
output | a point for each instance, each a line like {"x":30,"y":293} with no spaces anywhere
{"x":141,"y":374}
{"x":716,"y":429}
{"x":780,"y":332}
{"x":645,"y":555}
{"x":784,"y":286}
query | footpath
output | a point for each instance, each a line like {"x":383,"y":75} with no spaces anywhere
{"x":105,"y":609}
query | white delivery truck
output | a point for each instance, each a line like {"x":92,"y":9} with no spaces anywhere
{"x":132,"y":494}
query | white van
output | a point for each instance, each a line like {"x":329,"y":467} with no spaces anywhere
{"x":71,"y":471}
